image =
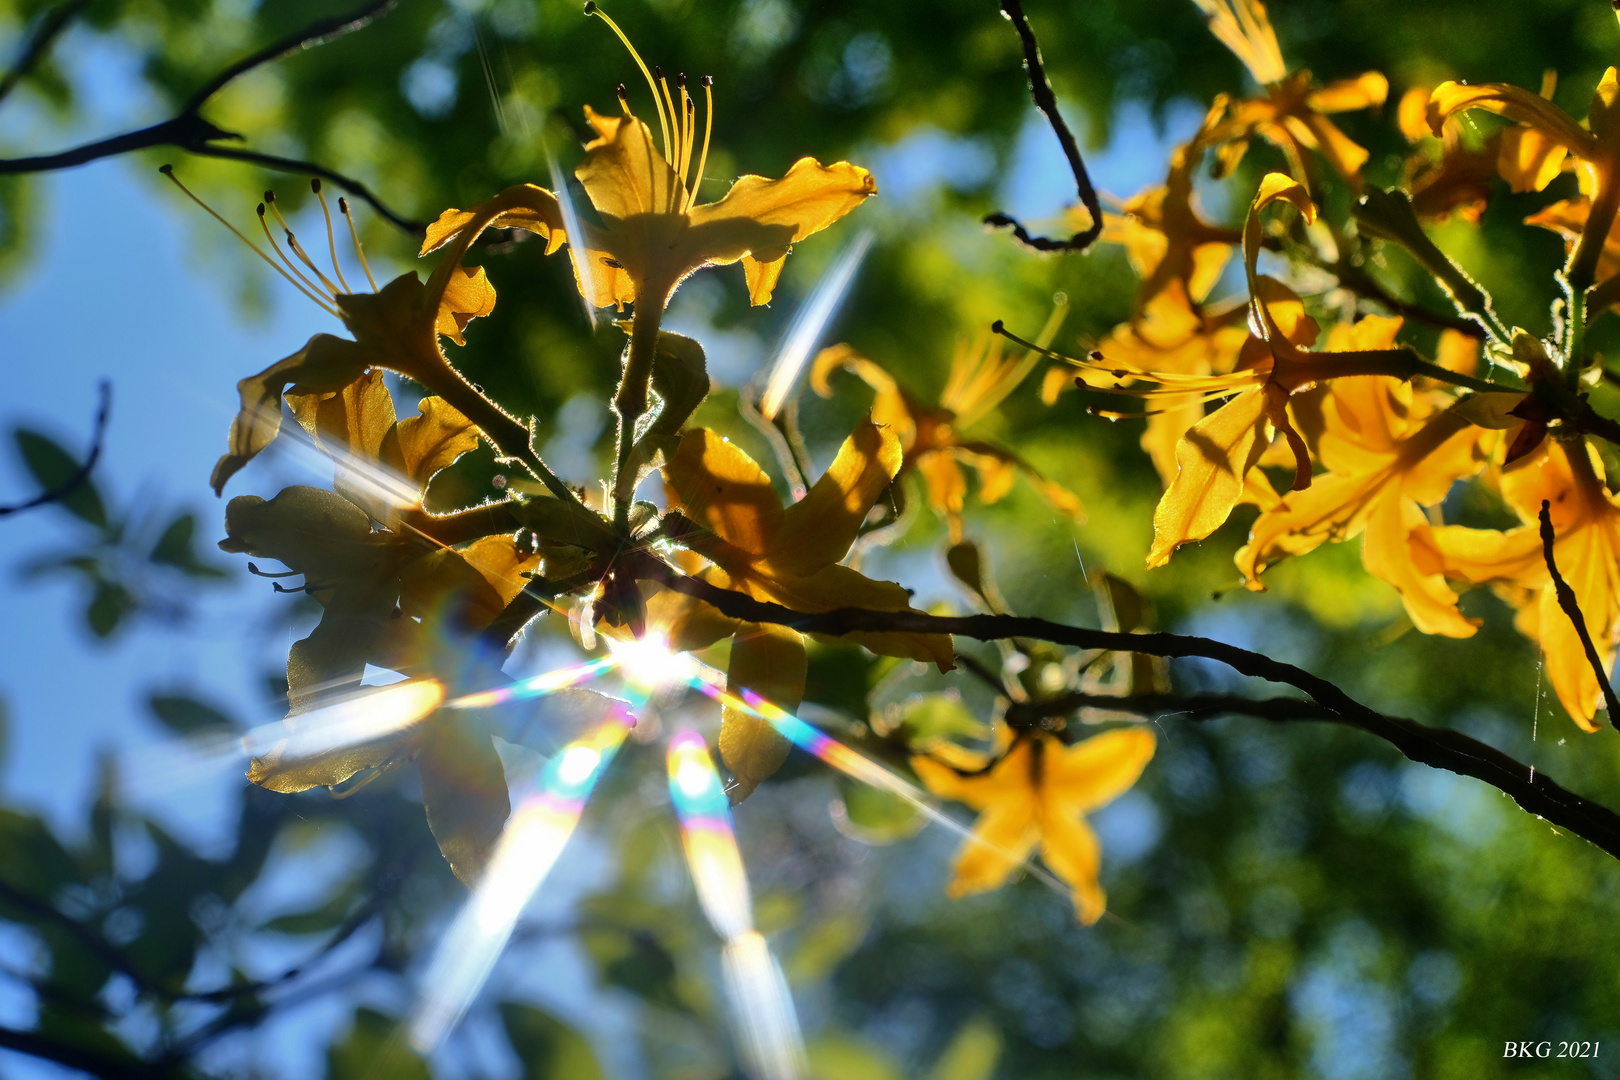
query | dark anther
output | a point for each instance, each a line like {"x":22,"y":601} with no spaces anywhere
{"x":343,"y":205}
{"x":315,"y":184}
{"x":269,"y":196}
{"x":708,"y":80}
{"x":658,"y":72}
{"x":997,"y":327}
{"x":261,"y":209}
{"x":680,"y":81}
{"x":623,"y":93}
{"x":253,"y":568}
{"x":590,"y":7}
{"x":166,"y":170}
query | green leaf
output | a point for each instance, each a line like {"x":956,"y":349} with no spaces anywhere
{"x":548,"y":1048}
{"x":52,"y":467}
{"x":110,"y":605}
{"x":186,"y":715}
{"x":174,"y":548}
{"x":374,"y":1050}
{"x":864,"y":813}
{"x":928,"y":718}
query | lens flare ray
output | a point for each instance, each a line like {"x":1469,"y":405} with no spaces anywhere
{"x":359,"y":718}
{"x":764,"y":1020}
{"x":534,"y":837}
{"x":807,"y":326}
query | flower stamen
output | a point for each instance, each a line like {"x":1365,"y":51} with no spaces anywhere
{"x":708,"y":127}
{"x":168,"y":171}
{"x":331,"y":237}
{"x":354,"y":234}
{"x":663,"y":119}
{"x":307,"y":285}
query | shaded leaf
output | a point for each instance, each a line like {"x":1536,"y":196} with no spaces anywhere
{"x":373,"y":1049}
{"x":185,"y":715}
{"x":51,"y":466}
{"x":548,"y":1048}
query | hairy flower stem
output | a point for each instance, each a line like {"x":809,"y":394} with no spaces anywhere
{"x":509,"y":435}
{"x":631,"y":402}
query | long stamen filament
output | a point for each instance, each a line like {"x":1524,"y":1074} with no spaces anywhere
{"x":331,"y":237}
{"x":303,"y":257}
{"x":708,"y":126}
{"x":354,"y":234}
{"x":270,"y":201}
{"x":686,"y":150}
{"x":672,"y":151}
{"x":309,"y":287}
{"x":168,"y":171}
{"x":663,"y":120}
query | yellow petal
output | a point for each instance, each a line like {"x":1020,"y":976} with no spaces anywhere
{"x":1070,"y":848}
{"x":818,"y":530}
{"x":1094,"y":772}
{"x":501,"y":563}
{"x":623,"y":172}
{"x":807,"y":199}
{"x":1528,"y":160}
{"x":353,"y":420}
{"x":431,"y":441}
{"x":468,"y":295}
{"x":1001,"y":842}
{"x":1363,"y":92}
{"x":770,"y":661}
{"x":723,"y":488}
{"x":1212,"y":460}
{"x":1514,"y":103}
{"x":325,"y":364}
{"x":761,"y":278}
{"x":1387,"y":552}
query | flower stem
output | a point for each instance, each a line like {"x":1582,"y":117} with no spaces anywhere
{"x":508,"y":434}
{"x":631,"y":400}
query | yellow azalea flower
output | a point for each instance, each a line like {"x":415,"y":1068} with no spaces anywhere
{"x":1170,"y":336}
{"x":1038,"y":794}
{"x":932,"y":437}
{"x":654,"y":232}
{"x":789,"y":556}
{"x":1445,"y":176}
{"x":1567,"y":218}
{"x":649,"y":232}
{"x":1292,"y":116}
{"x":1216,"y":456}
{"x":396,"y":328}
{"x":1389,"y":452}
{"x":389,"y":597}
{"x":1534,"y":153}
{"x":1166,"y":237}
{"x":1586,"y":529}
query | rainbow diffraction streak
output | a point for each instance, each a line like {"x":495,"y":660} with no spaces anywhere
{"x":533,"y":838}
{"x":762,"y":1010}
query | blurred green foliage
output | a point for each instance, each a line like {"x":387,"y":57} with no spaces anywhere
{"x":1285,"y":900}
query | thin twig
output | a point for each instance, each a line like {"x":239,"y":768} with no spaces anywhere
{"x":1437,"y":747}
{"x":71,"y":484}
{"x":1572,"y":608}
{"x":40,"y":42}
{"x":1041,"y":90}
{"x":187,"y":130}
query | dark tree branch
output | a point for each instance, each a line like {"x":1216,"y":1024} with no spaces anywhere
{"x":1046,"y":101}
{"x":46,"y":1048}
{"x":40,"y":42}
{"x":67,"y":487}
{"x":1572,"y":608}
{"x":187,"y":130}
{"x":1437,"y":747}
{"x":1192,"y":706}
